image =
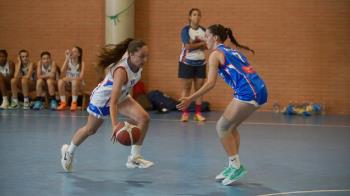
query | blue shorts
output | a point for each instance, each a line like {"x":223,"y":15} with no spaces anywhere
{"x":98,"y":112}
{"x":258,"y":100}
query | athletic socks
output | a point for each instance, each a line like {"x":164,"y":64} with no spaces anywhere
{"x":135,"y":150}
{"x":234,"y":161}
{"x":72,"y":148}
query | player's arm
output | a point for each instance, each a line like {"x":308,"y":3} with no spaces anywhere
{"x":53,"y":71}
{"x":38,"y":71}
{"x":197,"y":45}
{"x":12,"y":69}
{"x":17,"y":68}
{"x":30,"y":70}
{"x":214,"y":61}
{"x":81,"y":75}
{"x":65,"y":63}
{"x":119,"y":78}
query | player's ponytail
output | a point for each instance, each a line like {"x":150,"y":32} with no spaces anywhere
{"x":112,"y":53}
{"x":235,"y":42}
{"x":222,"y":33}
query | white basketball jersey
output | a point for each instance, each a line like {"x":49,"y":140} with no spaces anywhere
{"x":5,"y":70}
{"x":101,"y":95}
{"x":45,"y":70}
{"x":73,"y":70}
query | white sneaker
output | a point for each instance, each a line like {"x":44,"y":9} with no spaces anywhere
{"x":26,"y":105}
{"x":5,"y":105}
{"x":66,"y":159}
{"x":138,"y":161}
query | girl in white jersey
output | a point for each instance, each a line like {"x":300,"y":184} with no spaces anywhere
{"x":73,"y":71}
{"x":111,"y":97}
{"x":23,"y":79}
{"x":46,"y":74}
{"x":6,"y":73}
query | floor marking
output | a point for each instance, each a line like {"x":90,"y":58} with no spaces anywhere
{"x":175,"y":120}
{"x":301,"y":192}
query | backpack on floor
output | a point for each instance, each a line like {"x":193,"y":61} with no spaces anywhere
{"x":161,"y":102}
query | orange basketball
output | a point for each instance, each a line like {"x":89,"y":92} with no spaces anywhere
{"x":127,"y":134}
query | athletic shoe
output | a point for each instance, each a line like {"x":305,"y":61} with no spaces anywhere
{"x":53,"y":104}
{"x":185,"y":117}
{"x":234,"y":176}
{"x":5,"y":105}
{"x":74,"y":106}
{"x":198,"y":117}
{"x":38,"y":105}
{"x":138,"y":161}
{"x":225,"y":173}
{"x":66,"y":159}
{"x":26,"y":105}
{"x":14,"y":105}
{"x":62,"y":106}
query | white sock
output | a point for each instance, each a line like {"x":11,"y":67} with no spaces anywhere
{"x":63,"y":98}
{"x":26,"y":99}
{"x":5,"y":99}
{"x":74,"y":98}
{"x":135,"y":150}
{"x":72,"y":148}
{"x":234,"y":161}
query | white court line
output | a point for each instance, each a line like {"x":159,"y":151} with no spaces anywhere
{"x":209,"y":121}
{"x":301,"y":192}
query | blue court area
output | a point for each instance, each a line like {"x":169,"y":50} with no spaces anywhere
{"x":282,"y":154}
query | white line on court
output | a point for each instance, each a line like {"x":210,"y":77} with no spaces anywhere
{"x":209,"y":121}
{"x":301,"y":192}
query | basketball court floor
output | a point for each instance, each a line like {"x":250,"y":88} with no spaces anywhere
{"x":299,"y":155}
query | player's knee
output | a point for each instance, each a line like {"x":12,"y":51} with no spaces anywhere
{"x":39,"y":82}
{"x":60,"y":82}
{"x":13,"y":81}
{"x":49,"y":82}
{"x":145,"y":118}
{"x":223,"y":126}
{"x":24,"y":81}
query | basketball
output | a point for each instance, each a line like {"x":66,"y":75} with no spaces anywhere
{"x":127,"y":134}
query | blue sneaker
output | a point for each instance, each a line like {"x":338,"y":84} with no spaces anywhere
{"x":235,"y":175}
{"x":53,"y":104}
{"x":38,"y":105}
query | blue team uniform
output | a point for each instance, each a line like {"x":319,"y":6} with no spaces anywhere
{"x":241,"y":77}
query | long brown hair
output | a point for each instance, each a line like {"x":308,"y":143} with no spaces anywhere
{"x":113,"y":53}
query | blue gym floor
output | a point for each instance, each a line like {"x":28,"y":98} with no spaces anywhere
{"x":282,"y":154}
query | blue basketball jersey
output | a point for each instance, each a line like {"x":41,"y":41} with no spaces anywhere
{"x":241,"y":77}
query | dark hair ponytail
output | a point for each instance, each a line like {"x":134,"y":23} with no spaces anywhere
{"x":113,"y":53}
{"x":235,"y":42}
{"x":223,"y":33}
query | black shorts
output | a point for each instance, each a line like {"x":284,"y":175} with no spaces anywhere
{"x":189,"y":71}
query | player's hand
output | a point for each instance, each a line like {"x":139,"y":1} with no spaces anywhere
{"x":18,"y":59}
{"x":184,"y":103}
{"x":114,"y":133}
{"x":67,"y":53}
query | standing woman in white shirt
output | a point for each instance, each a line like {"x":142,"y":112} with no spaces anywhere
{"x":192,"y":63}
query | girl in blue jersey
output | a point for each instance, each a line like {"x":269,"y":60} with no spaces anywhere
{"x":192,"y":61}
{"x":123,"y":63}
{"x":249,"y":93}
